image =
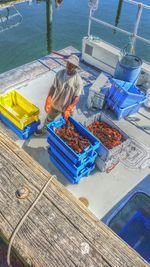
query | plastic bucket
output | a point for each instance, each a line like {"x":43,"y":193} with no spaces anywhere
{"x":128,"y":68}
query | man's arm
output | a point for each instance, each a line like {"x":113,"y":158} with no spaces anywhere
{"x":74,"y":102}
{"x":78,"y":92}
{"x":70,"y":107}
{"x":50,"y":95}
{"x":53,"y":87}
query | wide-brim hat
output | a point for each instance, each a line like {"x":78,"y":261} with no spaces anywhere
{"x":74,"y":60}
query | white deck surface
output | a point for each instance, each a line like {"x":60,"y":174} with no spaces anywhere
{"x":102,"y":190}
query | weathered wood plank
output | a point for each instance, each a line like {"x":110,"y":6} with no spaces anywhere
{"x":41,"y":221}
{"x":60,"y":231}
{"x":67,"y":236}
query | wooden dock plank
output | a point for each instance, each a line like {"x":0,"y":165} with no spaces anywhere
{"x":60,"y":231}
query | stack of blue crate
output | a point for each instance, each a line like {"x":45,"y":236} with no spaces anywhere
{"x":73,"y":165}
{"x":24,"y":133}
{"x":124,"y":98}
{"x":19,"y":114}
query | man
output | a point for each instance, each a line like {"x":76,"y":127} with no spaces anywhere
{"x":64,"y":93}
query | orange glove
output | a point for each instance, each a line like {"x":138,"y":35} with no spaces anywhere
{"x":70,"y":107}
{"x":66,"y":114}
{"x":48,"y":103}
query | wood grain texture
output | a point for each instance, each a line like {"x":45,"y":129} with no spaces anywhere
{"x":60,"y":231}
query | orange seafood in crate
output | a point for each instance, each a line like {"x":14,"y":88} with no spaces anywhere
{"x":73,"y":139}
{"x":109,"y":136}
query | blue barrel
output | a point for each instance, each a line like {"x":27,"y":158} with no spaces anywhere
{"x":128,"y":68}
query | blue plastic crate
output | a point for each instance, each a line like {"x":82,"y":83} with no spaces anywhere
{"x":125,"y":112}
{"x":75,"y":170}
{"x":22,"y":134}
{"x":76,"y":158}
{"x":124,"y":94}
{"x":137,"y":234}
{"x":71,"y":177}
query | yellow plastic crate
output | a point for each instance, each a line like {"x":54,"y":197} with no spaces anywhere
{"x":19,"y":110}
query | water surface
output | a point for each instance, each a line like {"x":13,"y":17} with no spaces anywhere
{"x":36,"y":36}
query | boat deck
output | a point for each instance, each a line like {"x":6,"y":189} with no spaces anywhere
{"x":34,"y":81}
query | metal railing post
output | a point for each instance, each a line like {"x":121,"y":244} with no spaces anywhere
{"x":89,"y":26}
{"x":138,"y":18}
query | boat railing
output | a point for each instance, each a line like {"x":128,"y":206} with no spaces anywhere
{"x":10,"y":15}
{"x":11,"y":19}
{"x":93,"y":4}
{"x":8,"y":3}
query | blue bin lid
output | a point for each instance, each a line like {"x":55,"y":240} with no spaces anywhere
{"x":131,"y":61}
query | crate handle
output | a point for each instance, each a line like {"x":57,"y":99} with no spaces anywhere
{"x":84,"y":160}
{"x":13,"y":115}
{"x":84,"y":170}
{"x":33,"y":113}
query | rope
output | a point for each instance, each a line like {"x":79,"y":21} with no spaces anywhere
{"x":24,"y":218}
{"x":93,"y":4}
{"x":127,"y":49}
